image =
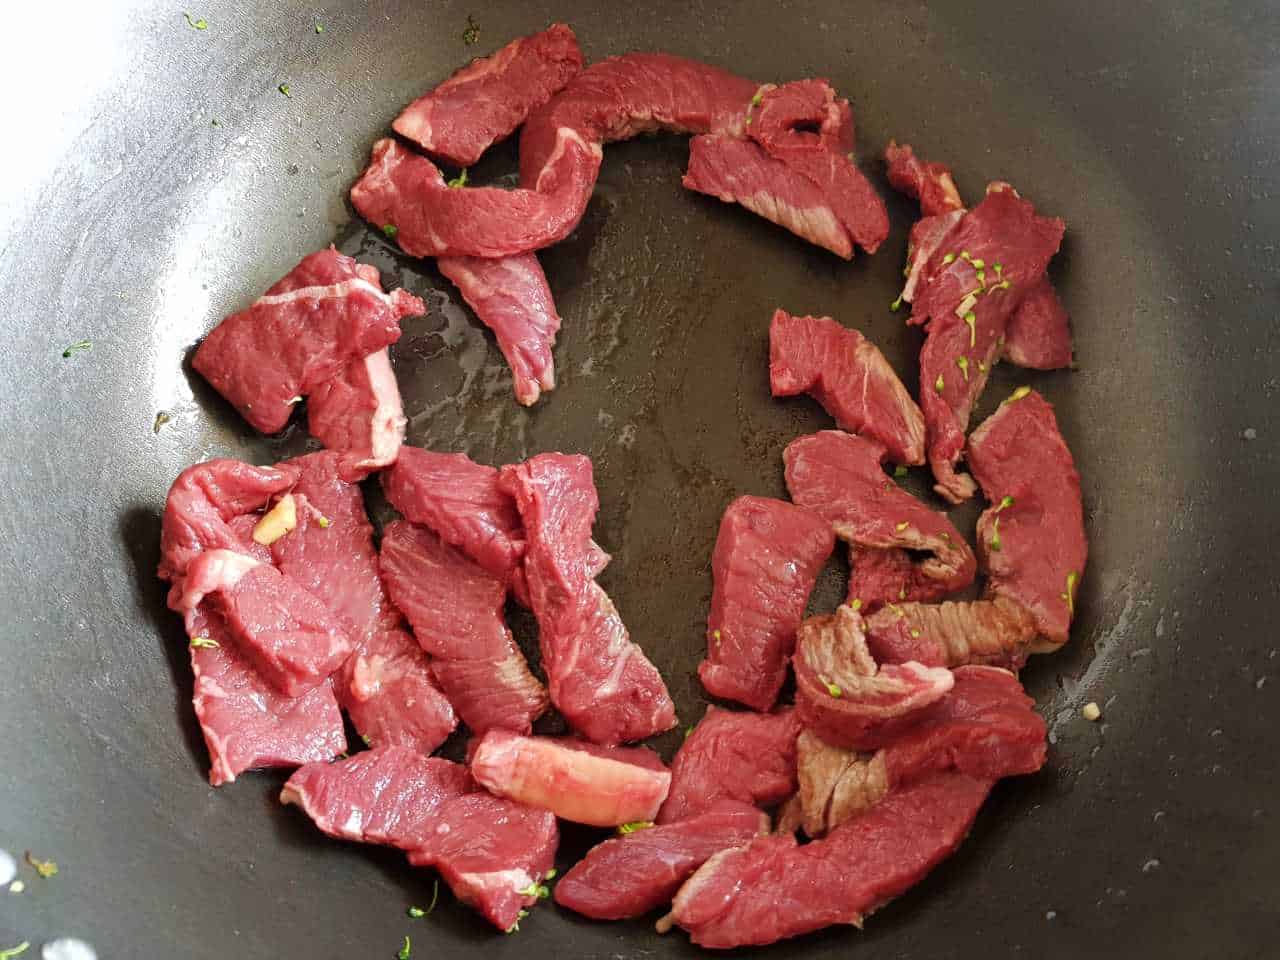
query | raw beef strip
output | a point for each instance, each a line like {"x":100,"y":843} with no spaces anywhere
{"x":984,"y":727}
{"x":767,"y":557}
{"x":248,"y":725}
{"x":849,"y":377}
{"x":967,"y":308}
{"x":1039,"y":332}
{"x":359,"y":413}
{"x":599,"y":679}
{"x":283,"y":630}
{"x":491,"y":852}
{"x":1032,"y":538}
{"x":200,"y":510}
{"x":839,"y":477}
{"x":456,"y":609}
{"x":930,"y":183}
{"x":731,"y":755}
{"x":742,"y":172}
{"x":487,"y":99}
{"x":386,"y":685}
{"x":630,"y":875}
{"x":578,"y":781}
{"x":996,"y":632}
{"x":841,"y":693}
{"x":327,"y":312}
{"x":511,"y":297}
{"x":406,"y":195}
{"x":775,"y":888}
{"x":461,"y":501}
{"x":778,"y":121}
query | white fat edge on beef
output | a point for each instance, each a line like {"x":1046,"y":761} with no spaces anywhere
{"x":335,"y":291}
{"x":565,"y":136}
{"x":387,"y":425}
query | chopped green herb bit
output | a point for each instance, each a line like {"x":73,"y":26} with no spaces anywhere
{"x":998,"y":268}
{"x":47,"y":868}
{"x":390,"y":229}
{"x":1018,"y":394}
{"x":995,"y":535}
{"x":915,"y":633}
{"x":17,"y":886}
{"x":201,"y":643}
{"x":539,"y":890}
{"x":949,"y":258}
{"x":515,"y":927}
{"x":284,"y":88}
{"x":406,"y":950}
{"x":319,"y":27}
{"x":963,"y":363}
{"x":201,"y":24}
{"x":435,"y":896}
{"x":964,"y":255}
{"x":939,"y":384}
{"x":323,"y":522}
{"x":417,"y":913}
{"x":367,"y":741}
{"x":1069,"y":596}
{"x":977,"y":264}
{"x":687,"y":730}
{"x":78,"y":346}
{"x":981,"y":277}
{"x":471,"y":35}
{"x":551,"y":874}
{"x":15,"y":951}
{"x":897,"y":304}
{"x":748,"y":120}
{"x":632,"y":827}
{"x":459,"y":181}
{"x":899,"y":471}
{"x":902,"y":526}
{"x":214,"y":122}
{"x":1005,"y":502}
{"x":857,"y":604}
{"x":832,"y":688}
{"x":759,"y":95}
{"x":971,"y":320}
{"x":161,"y":419}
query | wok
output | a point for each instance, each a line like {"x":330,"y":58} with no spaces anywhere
{"x":132,"y":219}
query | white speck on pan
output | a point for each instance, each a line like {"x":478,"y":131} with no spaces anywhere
{"x":8,"y":867}
{"x":68,"y":948}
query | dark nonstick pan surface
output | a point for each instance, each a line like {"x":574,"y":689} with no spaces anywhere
{"x":130,"y":218}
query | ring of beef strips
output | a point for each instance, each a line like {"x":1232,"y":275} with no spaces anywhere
{"x":840,"y":477}
{"x":492,"y":852}
{"x":598,"y":678}
{"x":969,"y":288}
{"x":766,"y":560}
{"x":320,"y":332}
{"x":1038,"y":334}
{"x":247,"y":723}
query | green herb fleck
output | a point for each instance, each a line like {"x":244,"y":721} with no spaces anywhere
{"x":748,"y":123}
{"x":515,"y":927}
{"x":15,"y":951}
{"x":1005,"y":502}
{"x":995,"y":535}
{"x":323,"y":523}
{"x":977,"y":264}
{"x":998,"y":268}
{"x":77,"y":346}
{"x":949,"y":258}
{"x":759,"y":95}
{"x":214,"y":122}
{"x":284,"y":88}
{"x":367,"y":741}
{"x":17,"y":886}
{"x":856,"y":605}
{"x":632,"y":827}
{"x":539,"y":890}
{"x":971,"y":320}
{"x":161,"y":419}
{"x":390,"y":229}
{"x":981,"y":277}
{"x":417,"y":913}
{"x":202,"y":643}
{"x":897,"y":304}
{"x":471,"y":35}
{"x":939,"y":384}
{"x":201,"y":24}
{"x":406,"y":950}
{"x":1018,"y":394}
{"x":459,"y":181}
{"x":964,"y":255}
{"x":551,"y":874}
{"x":1069,"y":596}
{"x":915,"y":633}
{"x":963,"y":363}
{"x":900,"y":471}
{"x":47,"y":868}
{"x":832,"y":688}
{"x":319,"y":27}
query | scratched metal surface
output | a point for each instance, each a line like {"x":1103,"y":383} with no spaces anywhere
{"x":127,"y":216}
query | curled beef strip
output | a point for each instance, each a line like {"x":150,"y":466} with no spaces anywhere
{"x":839,"y":477}
{"x":998,"y":632}
{"x":845,"y":697}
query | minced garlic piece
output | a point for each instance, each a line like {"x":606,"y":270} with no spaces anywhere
{"x":1091,"y":711}
{"x":277,"y":521}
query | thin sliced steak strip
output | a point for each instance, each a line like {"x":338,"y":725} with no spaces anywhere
{"x":1031,"y":539}
{"x":767,"y":557}
{"x":839,"y":477}
{"x":995,"y":632}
